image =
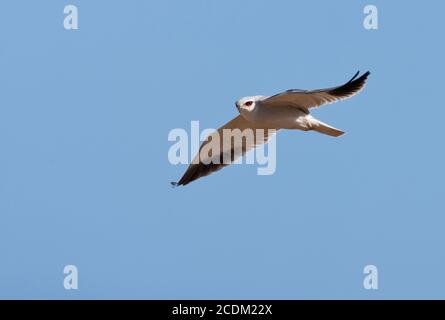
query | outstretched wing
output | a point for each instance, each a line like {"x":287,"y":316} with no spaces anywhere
{"x":209,"y":159}
{"x":307,"y":99}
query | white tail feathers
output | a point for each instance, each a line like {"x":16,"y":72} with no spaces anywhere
{"x":325,"y":129}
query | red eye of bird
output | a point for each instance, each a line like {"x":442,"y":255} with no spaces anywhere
{"x":248,"y":103}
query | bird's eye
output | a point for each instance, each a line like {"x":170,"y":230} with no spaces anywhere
{"x":248,"y":103}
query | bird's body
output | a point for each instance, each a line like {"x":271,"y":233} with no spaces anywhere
{"x":287,"y":110}
{"x":279,"y":117}
{"x":286,"y":116}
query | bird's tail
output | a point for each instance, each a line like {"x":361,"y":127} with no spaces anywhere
{"x":324,"y":128}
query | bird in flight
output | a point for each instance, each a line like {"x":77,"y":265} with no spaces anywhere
{"x":286,"y":110}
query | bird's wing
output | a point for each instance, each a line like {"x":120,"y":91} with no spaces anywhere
{"x":307,"y":99}
{"x":210,"y":158}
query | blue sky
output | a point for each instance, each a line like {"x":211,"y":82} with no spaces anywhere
{"x":84,"y":174}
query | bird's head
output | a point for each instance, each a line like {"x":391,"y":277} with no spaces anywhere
{"x":247,"y":104}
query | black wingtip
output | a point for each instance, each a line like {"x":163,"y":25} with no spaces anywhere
{"x":174,"y":184}
{"x":363,"y":76}
{"x":355,"y":76}
{"x":351,"y":87}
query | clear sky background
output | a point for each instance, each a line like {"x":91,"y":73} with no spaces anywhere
{"x":85,"y":178}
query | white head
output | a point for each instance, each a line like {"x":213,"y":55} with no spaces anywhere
{"x":248,"y":103}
